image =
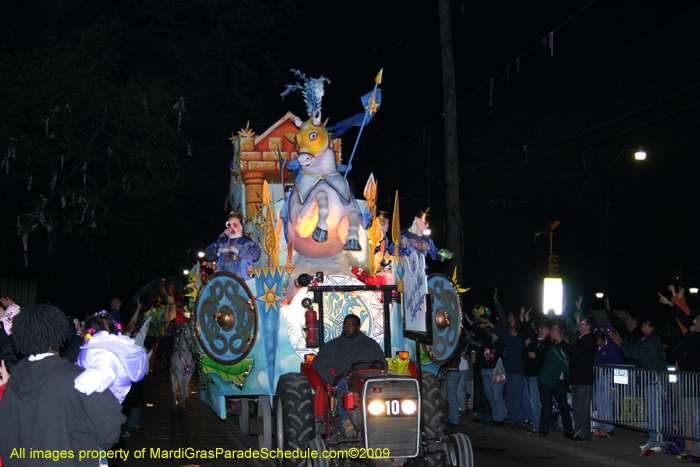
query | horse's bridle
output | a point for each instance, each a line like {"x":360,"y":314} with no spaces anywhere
{"x":188,"y":340}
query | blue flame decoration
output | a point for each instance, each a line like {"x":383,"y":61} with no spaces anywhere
{"x":311,"y":90}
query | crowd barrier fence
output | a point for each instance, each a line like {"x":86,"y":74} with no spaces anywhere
{"x":665,"y":403}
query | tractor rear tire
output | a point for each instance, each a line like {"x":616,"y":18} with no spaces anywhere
{"x":294,"y":416}
{"x":433,"y":416}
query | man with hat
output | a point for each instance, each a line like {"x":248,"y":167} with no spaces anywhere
{"x":416,"y":238}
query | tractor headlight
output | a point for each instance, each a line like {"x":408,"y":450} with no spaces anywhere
{"x":376,"y":407}
{"x":409,"y":407}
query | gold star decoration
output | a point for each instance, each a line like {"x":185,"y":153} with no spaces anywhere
{"x":270,"y":297}
{"x":244,"y":133}
{"x":372,"y":104}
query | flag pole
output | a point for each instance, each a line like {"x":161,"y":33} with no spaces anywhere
{"x":377,"y":82}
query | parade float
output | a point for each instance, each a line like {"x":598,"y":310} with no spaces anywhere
{"x":317,"y":241}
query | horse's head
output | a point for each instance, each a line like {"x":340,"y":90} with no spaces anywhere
{"x":186,"y":338}
{"x":314,"y":151}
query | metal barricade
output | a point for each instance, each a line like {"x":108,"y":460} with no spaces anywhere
{"x":621,"y":396}
{"x":662,"y":403}
{"x":680,"y":408}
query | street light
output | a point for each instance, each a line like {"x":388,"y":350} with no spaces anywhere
{"x":639,"y":155}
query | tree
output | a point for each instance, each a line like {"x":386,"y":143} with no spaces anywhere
{"x":84,"y":150}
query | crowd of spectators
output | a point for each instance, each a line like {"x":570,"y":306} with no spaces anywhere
{"x":548,"y":365}
{"x":63,"y":382}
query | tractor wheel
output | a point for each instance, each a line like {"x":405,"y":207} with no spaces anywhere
{"x":459,"y":450}
{"x":316,"y":445}
{"x":433,"y":415}
{"x":294,"y":416}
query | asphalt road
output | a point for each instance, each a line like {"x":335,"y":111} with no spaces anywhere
{"x":199,"y":428}
{"x":490,"y":450}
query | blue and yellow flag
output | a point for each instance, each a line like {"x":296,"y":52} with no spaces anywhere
{"x":367,"y":101}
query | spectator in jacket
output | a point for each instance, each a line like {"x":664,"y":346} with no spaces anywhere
{"x":629,"y":329}
{"x":537,"y":345}
{"x":40,"y":408}
{"x":553,"y":380}
{"x":582,"y":354}
{"x":607,"y":354}
{"x":515,"y":369}
{"x":648,"y":353}
{"x":687,"y":353}
{"x":491,"y":352}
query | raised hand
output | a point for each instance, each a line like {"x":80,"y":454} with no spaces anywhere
{"x":607,"y":302}
{"x":578,"y":303}
{"x":495,"y":294}
{"x":615,"y":337}
{"x":6,"y":302}
{"x":664,"y":299}
{"x":672,"y":288}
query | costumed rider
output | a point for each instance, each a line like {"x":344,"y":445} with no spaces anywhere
{"x":235,"y":252}
{"x":382,"y":253}
{"x":416,"y":238}
{"x":340,"y":354}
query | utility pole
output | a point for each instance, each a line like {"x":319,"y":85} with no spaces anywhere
{"x":453,"y":219}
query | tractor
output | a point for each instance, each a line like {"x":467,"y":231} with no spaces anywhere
{"x":396,"y":417}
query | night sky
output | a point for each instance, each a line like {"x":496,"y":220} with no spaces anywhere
{"x":538,"y":148}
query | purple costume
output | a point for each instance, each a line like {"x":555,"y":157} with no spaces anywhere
{"x":230,"y":260}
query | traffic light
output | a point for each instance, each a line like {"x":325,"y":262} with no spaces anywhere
{"x":553,"y":265}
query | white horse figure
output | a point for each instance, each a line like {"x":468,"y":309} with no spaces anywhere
{"x":182,"y":366}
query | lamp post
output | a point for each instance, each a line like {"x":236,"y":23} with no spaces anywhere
{"x":639,"y":155}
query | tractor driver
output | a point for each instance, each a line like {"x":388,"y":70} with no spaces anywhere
{"x":340,"y":354}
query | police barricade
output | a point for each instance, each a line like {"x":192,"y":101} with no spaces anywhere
{"x":621,"y":396}
{"x":645,"y":400}
{"x":680,"y":405}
